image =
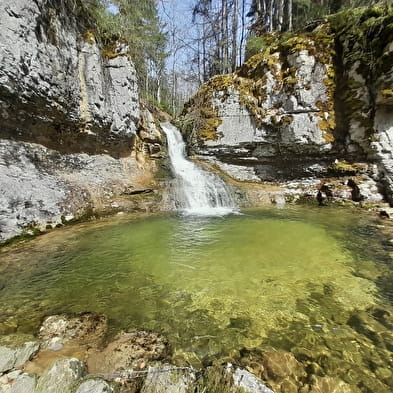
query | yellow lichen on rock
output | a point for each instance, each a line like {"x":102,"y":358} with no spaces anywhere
{"x":89,"y":37}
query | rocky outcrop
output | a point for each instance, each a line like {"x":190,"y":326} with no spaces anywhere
{"x":131,"y":362}
{"x":307,"y":110}
{"x":70,"y":119}
{"x":57,"y":89}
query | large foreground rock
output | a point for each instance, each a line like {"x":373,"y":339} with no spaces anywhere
{"x":94,"y":386}
{"x":61,"y":377}
{"x":166,"y":379}
{"x":11,"y":358}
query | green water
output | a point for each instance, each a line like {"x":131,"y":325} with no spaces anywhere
{"x":291,"y":279}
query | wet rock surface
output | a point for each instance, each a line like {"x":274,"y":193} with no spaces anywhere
{"x":87,"y":329}
{"x":329,"y":358}
{"x":249,"y":382}
{"x":165,"y":379}
{"x":133,"y":361}
{"x":129,"y":351}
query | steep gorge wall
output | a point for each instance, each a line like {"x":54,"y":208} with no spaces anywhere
{"x":73,"y":136}
{"x":305,"y":113}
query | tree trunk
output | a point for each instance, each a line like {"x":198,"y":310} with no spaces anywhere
{"x":235,"y":23}
{"x":224,"y":37}
{"x":290,"y":27}
{"x":271,"y":13}
{"x":243,"y":32}
{"x":280,"y":19}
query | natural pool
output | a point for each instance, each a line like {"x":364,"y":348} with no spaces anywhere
{"x":314,"y":282}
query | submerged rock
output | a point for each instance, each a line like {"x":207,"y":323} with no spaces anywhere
{"x":86,"y":329}
{"x":249,"y":382}
{"x":129,"y":351}
{"x":279,"y":365}
{"x":329,"y":385}
{"x":61,"y":377}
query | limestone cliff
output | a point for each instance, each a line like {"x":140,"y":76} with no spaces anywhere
{"x":73,"y":136}
{"x":306,"y":113}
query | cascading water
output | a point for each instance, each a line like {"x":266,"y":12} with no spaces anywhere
{"x":196,"y":191}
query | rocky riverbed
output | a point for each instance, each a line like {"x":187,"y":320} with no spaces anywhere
{"x":73,"y":354}
{"x":76,"y":354}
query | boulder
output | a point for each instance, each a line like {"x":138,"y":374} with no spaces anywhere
{"x":168,"y":379}
{"x":24,"y":383}
{"x":94,"y":386}
{"x":86,"y":329}
{"x":61,"y":377}
{"x":11,"y":358}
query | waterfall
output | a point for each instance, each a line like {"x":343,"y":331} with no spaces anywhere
{"x":197,"y":191}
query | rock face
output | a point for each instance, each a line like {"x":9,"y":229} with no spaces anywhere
{"x":70,"y":119}
{"x":56,"y":87}
{"x":307,"y":108}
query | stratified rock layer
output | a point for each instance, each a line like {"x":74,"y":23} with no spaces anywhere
{"x":56,"y":87}
{"x":70,"y":120}
{"x":313,"y":109}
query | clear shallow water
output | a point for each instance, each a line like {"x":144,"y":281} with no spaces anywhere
{"x":292,"y":279}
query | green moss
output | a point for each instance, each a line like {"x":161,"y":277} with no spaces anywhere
{"x":199,"y":115}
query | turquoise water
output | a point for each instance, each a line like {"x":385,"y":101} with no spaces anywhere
{"x":273,"y":279}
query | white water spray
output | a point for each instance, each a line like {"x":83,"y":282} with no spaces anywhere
{"x":196,"y":191}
